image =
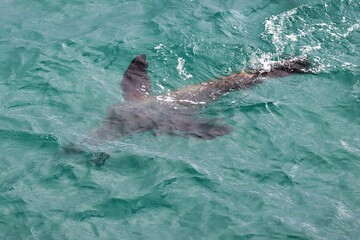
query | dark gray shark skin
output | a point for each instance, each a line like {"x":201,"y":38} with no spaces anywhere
{"x":173,"y":113}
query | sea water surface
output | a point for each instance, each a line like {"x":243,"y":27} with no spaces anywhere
{"x":289,"y":170}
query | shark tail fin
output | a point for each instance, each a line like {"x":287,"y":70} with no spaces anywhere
{"x":295,"y":65}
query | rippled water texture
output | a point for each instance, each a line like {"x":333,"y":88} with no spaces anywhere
{"x":289,"y":170}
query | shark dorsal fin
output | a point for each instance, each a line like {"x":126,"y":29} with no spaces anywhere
{"x":135,"y":83}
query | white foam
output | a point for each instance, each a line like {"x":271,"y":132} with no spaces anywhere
{"x":181,"y":69}
{"x":170,"y":99}
{"x":191,"y":102}
{"x":159,"y":46}
{"x":165,"y":98}
{"x":351,"y":29}
{"x":307,"y":49}
{"x":291,"y":37}
{"x":160,"y":86}
{"x":262,"y":62}
{"x":275,"y":26}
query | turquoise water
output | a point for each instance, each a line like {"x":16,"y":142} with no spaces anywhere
{"x":289,"y":170}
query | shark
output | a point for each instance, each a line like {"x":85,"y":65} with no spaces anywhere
{"x":175,"y":113}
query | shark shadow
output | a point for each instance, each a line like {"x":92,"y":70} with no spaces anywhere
{"x":174,"y":113}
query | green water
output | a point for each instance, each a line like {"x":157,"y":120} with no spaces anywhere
{"x":289,"y":170}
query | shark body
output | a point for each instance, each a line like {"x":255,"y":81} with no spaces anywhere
{"x":173,"y":113}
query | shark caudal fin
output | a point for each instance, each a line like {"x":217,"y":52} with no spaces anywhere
{"x":295,"y":65}
{"x":135,"y":83}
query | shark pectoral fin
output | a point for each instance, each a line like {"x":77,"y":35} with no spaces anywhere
{"x":135,"y":83}
{"x":101,"y":134}
{"x":211,"y":131}
{"x":200,"y":128}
